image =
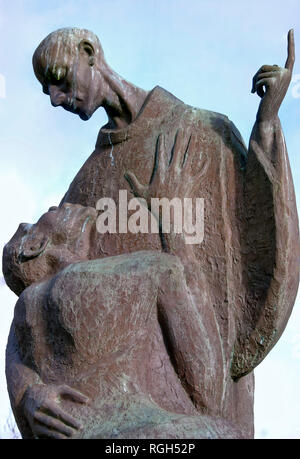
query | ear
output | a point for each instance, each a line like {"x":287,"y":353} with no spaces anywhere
{"x":34,"y":250}
{"x":87,"y":48}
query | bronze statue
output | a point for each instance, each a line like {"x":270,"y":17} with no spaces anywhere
{"x":143,"y":335}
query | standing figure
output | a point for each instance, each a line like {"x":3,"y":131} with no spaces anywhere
{"x":149,"y":336}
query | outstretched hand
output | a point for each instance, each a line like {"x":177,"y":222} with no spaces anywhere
{"x":173,"y":171}
{"x":45,"y":416}
{"x":271,"y":83}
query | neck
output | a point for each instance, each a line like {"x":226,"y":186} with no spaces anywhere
{"x":123,"y":101}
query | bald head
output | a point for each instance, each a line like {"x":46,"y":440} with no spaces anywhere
{"x":61,"y":47}
{"x":70,"y":65}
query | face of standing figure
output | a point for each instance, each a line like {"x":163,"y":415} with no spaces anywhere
{"x":69,"y":64}
{"x":60,"y":237}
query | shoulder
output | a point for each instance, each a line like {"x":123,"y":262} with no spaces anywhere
{"x":201,"y":118}
{"x":76,"y":280}
{"x":211,"y":127}
{"x":30,"y":297}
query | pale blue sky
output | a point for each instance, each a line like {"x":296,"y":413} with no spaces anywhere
{"x":203,"y":51}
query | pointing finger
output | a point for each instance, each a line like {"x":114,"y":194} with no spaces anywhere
{"x":291,"y":51}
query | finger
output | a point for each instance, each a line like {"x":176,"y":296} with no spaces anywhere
{"x":189,"y":153}
{"x":263,"y":82}
{"x":263,"y":69}
{"x":136,"y":187}
{"x":267,"y":75}
{"x":261,"y":86}
{"x":51,"y":422}
{"x":74,"y":394}
{"x":253,"y":90}
{"x":160,"y":159}
{"x":268,"y":68}
{"x":54,"y":410}
{"x":177,"y":147}
{"x":43,"y":432}
{"x":161,"y":150}
{"x":160,"y":145}
{"x":259,"y":90}
{"x":291,"y":51}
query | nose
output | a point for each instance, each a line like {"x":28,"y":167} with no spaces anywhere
{"x":57,"y":96}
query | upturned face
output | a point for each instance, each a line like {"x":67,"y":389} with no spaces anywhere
{"x":60,"y":237}
{"x":69,"y":78}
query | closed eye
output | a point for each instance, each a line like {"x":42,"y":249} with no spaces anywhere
{"x":56,"y":76}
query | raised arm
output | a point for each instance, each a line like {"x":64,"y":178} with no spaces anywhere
{"x":270,"y":233}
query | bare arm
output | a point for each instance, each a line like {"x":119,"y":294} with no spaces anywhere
{"x":19,"y":378}
{"x":271,"y":238}
{"x":35,"y":404}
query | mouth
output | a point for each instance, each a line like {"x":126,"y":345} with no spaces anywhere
{"x":76,"y":110}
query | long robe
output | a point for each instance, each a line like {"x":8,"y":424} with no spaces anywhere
{"x":243,"y":277}
{"x":245,"y":272}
